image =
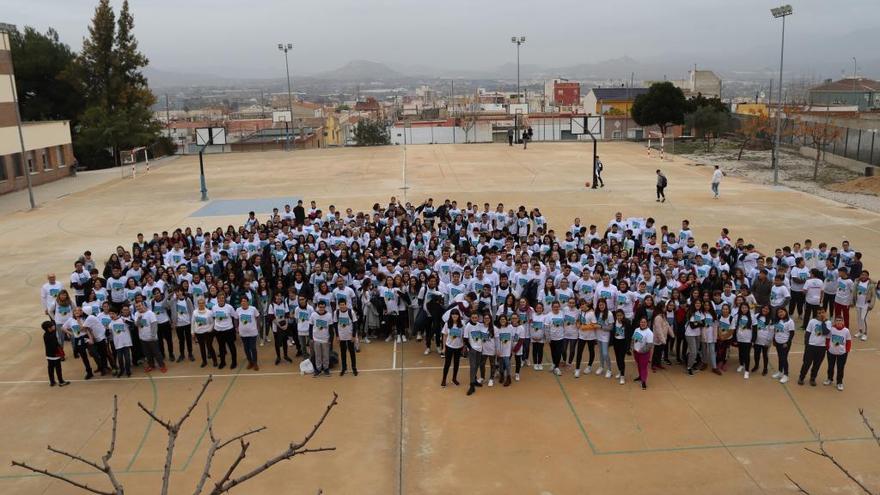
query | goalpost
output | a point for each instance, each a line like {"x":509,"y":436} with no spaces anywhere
{"x":131,"y":167}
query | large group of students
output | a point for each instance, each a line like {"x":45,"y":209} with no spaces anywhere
{"x":494,"y":285}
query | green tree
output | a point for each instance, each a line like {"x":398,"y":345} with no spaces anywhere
{"x":701,"y":101}
{"x":118,"y":114}
{"x":663,"y":105}
{"x":43,"y":65}
{"x":709,"y":123}
{"x":371,"y":133}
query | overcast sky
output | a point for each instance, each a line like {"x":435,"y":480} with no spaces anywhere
{"x":224,"y":35}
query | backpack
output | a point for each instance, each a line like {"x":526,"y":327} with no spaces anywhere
{"x":663,"y":181}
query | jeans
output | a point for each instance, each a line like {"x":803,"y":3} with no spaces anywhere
{"x":152,"y":354}
{"x":123,"y":360}
{"x":505,"y":367}
{"x":206,"y":347}
{"x":839,"y":362}
{"x":604,"y":358}
{"x":452,"y":356}
{"x":250,"y":348}
{"x":280,"y":342}
{"x":715,"y":188}
{"x":813,"y":357}
{"x":693,"y":346}
{"x":580,"y":352}
{"x":809,"y":312}
{"x":782,"y":352}
{"x":474,"y":357}
{"x":709,"y":353}
{"x":184,"y":340}
{"x":54,"y":367}
{"x":570,"y":349}
{"x":347,"y":347}
{"x":304,"y":344}
{"x":166,"y":344}
{"x":661,"y":192}
{"x":761,"y":350}
{"x":322,"y":356}
{"x":797,"y":302}
{"x":82,"y":348}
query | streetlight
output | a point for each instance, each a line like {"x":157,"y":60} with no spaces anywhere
{"x":285,"y":48}
{"x":783,"y":11}
{"x":518,"y":41}
{"x":8,"y":30}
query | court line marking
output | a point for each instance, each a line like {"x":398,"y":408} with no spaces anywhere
{"x":140,"y":446}
{"x":576,"y":416}
{"x":213,"y":415}
{"x":800,"y":411}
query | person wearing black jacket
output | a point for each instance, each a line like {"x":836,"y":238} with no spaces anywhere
{"x":299,"y":213}
{"x":54,"y":353}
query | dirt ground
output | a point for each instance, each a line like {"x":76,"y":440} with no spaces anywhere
{"x":862,"y":185}
{"x":395,"y":429}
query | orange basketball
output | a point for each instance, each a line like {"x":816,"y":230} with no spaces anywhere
{"x":587,"y":184}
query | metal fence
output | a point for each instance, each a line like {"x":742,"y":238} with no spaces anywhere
{"x":862,"y":145}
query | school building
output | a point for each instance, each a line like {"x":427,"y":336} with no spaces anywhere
{"x":48,"y":148}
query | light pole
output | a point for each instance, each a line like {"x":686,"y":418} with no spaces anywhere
{"x":855,"y":76}
{"x":783,"y":11}
{"x":285,"y":48}
{"x":8,"y":30}
{"x":518,"y":41}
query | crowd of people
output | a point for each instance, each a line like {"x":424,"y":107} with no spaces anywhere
{"x":496,"y":286}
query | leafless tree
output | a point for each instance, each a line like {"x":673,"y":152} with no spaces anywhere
{"x":822,"y":452}
{"x":222,"y":484}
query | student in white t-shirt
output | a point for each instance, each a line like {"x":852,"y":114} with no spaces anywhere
{"x":80,"y":334}
{"x":504,"y":339}
{"x":473,"y":337}
{"x":224,"y":331}
{"x":783,"y":336}
{"x":248,"y":330}
{"x":717,"y":175}
{"x":148,"y":332}
{"x":453,"y":334}
{"x":812,"y":295}
{"x":863,"y":298}
{"x":536,"y":336}
{"x":345,"y":320}
{"x":277,"y":314}
{"x":839,"y":343}
{"x":642,"y":344}
{"x":120,"y":332}
{"x":818,"y":330}
{"x":320,"y":322}
{"x":587,"y":327}
{"x":203,"y":328}
{"x":605,"y":320}
{"x":520,"y":342}
{"x":488,"y":351}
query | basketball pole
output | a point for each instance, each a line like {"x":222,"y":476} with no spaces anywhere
{"x":202,"y":173}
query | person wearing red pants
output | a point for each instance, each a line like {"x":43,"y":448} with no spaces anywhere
{"x":643,"y":343}
{"x":843,"y":299}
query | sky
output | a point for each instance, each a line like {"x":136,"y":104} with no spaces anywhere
{"x":239,"y":38}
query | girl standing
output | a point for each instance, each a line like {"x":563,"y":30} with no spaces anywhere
{"x":570,"y":331}
{"x":536,"y":335}
{"x":763,"y":337}
{"x":556,"y":321}
{"x":662,"y":328}
{"x":247,"y":317}
{"x":473,"y":337}
{"x":453,"y":332}
{"x":620,"y":342}
{"x":489,"y":349}
{"x":839,"y":343}
{"x":783,"y":335}
{"x":203,"y":327}
{"x":709,"y":338}
{"x":224,"y":325}
{"x":503,"y":347}
{"x":345,"y":320}
{"x":746,"y":333}
{"x":605,"y":320}
{"x":121,"y":333}
{"x":726,"y":327}
{"x":693,"y":332}
{"x":277,"y":314}
{"x":643,"y":343}
{"x":587,"y":328}
{"x":53,"y":354}
{"x":520,"y":342}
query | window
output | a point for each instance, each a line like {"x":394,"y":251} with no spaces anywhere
{"x":45,"y":157}
{"x":31,"y":163}
{"x":616,"y":135}
{"x":16,"y":164}
{"x":59,"y":154}
{"x":3,"y":161}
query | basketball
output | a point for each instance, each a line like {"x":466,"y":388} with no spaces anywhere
{"x":587,"y":184}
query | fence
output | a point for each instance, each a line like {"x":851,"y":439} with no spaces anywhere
{"x":862,"y":145}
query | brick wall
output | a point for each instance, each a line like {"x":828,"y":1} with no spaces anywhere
{"x":53,"y":170}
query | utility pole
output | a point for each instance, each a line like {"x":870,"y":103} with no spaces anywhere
{"x":8,"y":29}
{"x":518,"y":41}
{"x":285,"y":48}
{"x":783,"y":11}
{"x":452,"y":98}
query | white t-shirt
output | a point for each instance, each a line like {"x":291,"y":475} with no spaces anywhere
{"x":642,"y":339}
{"x":203,"y":321}
{"x":345,"y":324}
{"x":556,"y":325}
{"x":475,"y":334}
{"x":247,"y":321}
{"x":716,"y":176}
{"x":321,"y":326}
{"x":813,"y":289}
{"x":223,"y":316}
{"x":504,"y":339}
{"x":586,"y":319}
{"x":781,"y":331}
{"x":119,"y":330}
{"x":838,"y":339}
{"x":454,"y":336}
{"x":814,"y":327}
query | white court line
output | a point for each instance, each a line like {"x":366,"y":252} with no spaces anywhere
{"x":275,"y":373}
{"x":394,"y":356}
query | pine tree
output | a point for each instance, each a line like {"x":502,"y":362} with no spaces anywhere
{"x":96,"y":57}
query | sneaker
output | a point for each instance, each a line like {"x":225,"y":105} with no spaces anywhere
{"x":577,"y":373}
{"x":262,"y":343}
{"x":826,"y":382}
{"x":863,"y":337}
{"x":599,"y":370}
{"x":622,"y":380}
{"x":326,"y":372}
{"x":427,"y":351}
{"x":491,"y":382}
{"x":608,"y":374}
{"x":64,"y":384}
{"x":588,"y":369}
{"x":163,"y":369}
{"x":354,"y":372}
{"x":516,"y":377}
{"x":180,"y":358}
{"x":557,"y":371}
{"x":746,"y":375}
{"x":419,"y":337}
{"x":840,"y":387}
{"x":388,"y":339}
{"x":617,"y":375}
{"x":404,"y":338}
{"x":812,"y":383}
{"x":367,"y":340}
{"x":479,"y":381}
{"x":784,"y":379}
{"x":399,"y":340}
{"x":541,"y":367}
{"x":471,"y":390}
{"x":716,"y":371}
{"x":644,"y":386}
{"x":776,"y":375}
{"x":740,"y":368}
{"x":440,"y":352}
{"x":690,"y":372}
{"x":800,"y":381}
{"x":535,"y":367}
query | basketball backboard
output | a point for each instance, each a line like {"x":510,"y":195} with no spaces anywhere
{"x":589,"y":124}
{"x":210,"y":135}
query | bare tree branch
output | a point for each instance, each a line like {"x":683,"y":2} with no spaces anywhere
{"x":869,"y":426}
{"x":242,"y":453}
{"x":75,"y":457}
{"x":105,"y":459}
{"x":155,"y":418}
{"x":824,"y":453}
{"x":795,"y":483}
{"x":292,"y":450}
{"x":239,"y":437}
{"x":60,"y":477}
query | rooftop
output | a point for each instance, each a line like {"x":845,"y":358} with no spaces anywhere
{"x":847,"y":84}
{"x":618,"y":93}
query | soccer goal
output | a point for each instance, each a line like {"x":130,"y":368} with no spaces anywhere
{"x":135,"y":162}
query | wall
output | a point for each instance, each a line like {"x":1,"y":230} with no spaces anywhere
{"x":480,"y":133}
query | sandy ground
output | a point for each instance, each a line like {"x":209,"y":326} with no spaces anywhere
{"x":395,"y":429}
{"x":795,"y":171}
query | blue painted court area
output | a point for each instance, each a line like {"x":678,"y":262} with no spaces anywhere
{"x":230,"y":207}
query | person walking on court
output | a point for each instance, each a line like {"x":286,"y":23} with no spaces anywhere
{"x":661,"y":186}
{"x":525,"y":139}
{"x":510,"y":137}
{"x":599,"y":168}
{"x":716,"y":180}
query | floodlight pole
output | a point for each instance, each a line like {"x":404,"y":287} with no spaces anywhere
{"x":518,"y":40}
{"x":9,"y":29}
{"x":783,"y":12}
{"x":285,"y":48}
{"x":595,"y":153}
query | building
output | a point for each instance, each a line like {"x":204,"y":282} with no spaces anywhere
{"x":563,"y":93}
{"x":703,"y":82}
{"x":761,"y":109}
{"x":855,"y":92}
{"x":48,"y":148}
{"x":611,"y":101}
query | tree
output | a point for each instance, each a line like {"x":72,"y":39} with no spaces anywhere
{"x":663,"y":105}
{"x":220,"y":484}
{"x":43,"y":76}
{"x":753,"y":128}
{"x":818,"y":135}
{"x":701,"y":101}
{"x":371,"y":133}
{"x":709,"y":123}
{"x":118,"y":98}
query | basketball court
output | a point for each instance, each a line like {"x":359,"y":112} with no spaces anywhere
{"x":395,"y":429}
